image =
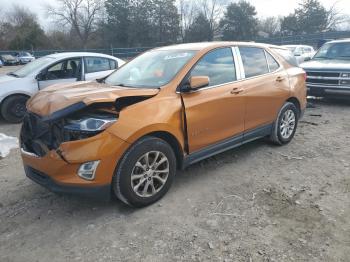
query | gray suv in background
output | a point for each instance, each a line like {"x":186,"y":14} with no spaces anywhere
{"x":328,"y":73}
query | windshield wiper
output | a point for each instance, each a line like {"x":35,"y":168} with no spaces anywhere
{"x":13,"y":74}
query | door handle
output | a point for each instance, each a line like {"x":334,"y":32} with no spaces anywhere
{"x":236,"y":91}
{"x":280,"y":78}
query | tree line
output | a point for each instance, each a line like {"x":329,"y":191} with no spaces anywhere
{"x":135,"y":23}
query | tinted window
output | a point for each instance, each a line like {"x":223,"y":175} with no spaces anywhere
{"x":218,"y":65}
{"x":287,"y":55}
{"x":273,"y":65}
{"x":97,"y":64}
{"x":254,"y":61}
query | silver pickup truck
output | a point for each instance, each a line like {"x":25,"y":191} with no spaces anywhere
{"x":328,"y":73}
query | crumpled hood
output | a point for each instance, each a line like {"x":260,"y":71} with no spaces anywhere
{"x":6,"y":78}
{"x":332,"y":65}
{"x":61,"y":96}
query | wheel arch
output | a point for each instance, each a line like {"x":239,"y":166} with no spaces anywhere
{"x":172,"y":141}
{"x":296,"y":102}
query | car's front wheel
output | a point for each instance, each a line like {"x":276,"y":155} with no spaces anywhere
{"x":285,"y":125}
{"x":145,"y":172}
{"x":13,"y":108}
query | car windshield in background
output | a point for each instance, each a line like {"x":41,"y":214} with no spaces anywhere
{"x":291,"y":48}
{"x":151,"y":70}
{"x":287,"y":55}
{"x":33,"y":66}
{"x":334,"y":51}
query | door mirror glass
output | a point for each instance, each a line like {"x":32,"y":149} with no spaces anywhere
{"x":196,"y":82}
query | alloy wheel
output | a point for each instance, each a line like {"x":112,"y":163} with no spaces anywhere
{"x":150,"y":174}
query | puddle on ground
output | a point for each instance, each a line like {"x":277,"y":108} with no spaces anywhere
{"x":6,"y":144}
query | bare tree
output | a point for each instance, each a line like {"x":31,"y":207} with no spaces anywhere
{"x":335,"y":17}
{"x":213,"y":11}
{"x":81,"y":16}
{"x":269,"y":25}
{"x":187,"y":13}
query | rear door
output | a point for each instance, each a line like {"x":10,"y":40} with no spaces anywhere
{"x":266,"y":87}
{"x":65,"y":71}
{"x":98,"y":67}
{"x":215,"y":113}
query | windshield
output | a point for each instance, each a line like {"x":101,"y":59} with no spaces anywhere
{"x":151,"y":70}
{"x":33,"y":66}
{"x":24,"y":54}
{"x":334,"y":51}
{"x":291,"y":48}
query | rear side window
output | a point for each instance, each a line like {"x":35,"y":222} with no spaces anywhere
{"x":273,"y":65}
{"x":98,"y":64}
{"x":254,"y":61}
{"x":287,"y":55}
{"x":218,"y":65}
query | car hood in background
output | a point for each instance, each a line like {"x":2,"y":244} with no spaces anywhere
{"x":323,"y":65}
{"x":6,"y":78}
{"x":61,"y":96}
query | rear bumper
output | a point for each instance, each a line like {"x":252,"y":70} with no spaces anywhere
{"x":97,"y":192}
{"x":322,"y":90}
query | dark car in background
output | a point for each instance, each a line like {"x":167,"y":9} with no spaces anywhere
{"x":9,"y":60}
{"x":328,"y":73}
{"x":24,"y":57}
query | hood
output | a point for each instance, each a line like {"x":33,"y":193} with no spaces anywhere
{"x":332,"y":65}
{"x":61,"y":96}
{"x":6,"y":79}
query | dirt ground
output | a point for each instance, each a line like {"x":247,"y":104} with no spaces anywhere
{"x":255,"y":203}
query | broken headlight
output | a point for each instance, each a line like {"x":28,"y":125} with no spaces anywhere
{"x":87,"y":125}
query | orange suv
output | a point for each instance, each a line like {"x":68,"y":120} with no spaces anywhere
{"x":168,"y":108}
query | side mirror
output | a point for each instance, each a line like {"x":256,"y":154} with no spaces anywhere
{"x":196,"y":82}
{"x":40,"y":76}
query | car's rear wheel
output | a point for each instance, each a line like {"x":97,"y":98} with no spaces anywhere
{"x":145,"y":172}
{"x":13,"y":108}
{"x":285,"y":125}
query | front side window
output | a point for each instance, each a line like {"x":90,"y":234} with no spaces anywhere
{"x":66,"y":69}
{"x":218,"y":65}
{"x":152,"y":69}
{"x":254,"y":61}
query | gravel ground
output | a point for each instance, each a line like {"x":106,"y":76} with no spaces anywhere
{"x":256,"y":203}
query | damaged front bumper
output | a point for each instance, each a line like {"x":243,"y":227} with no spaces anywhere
{"x":57,"y":168}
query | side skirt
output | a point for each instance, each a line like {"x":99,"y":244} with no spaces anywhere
{"x":227,"y":144}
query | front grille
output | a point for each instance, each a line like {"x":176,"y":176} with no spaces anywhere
{"x":324,"y":74}
{"x":327,"y":78}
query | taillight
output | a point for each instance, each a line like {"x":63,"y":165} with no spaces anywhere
{"x":305,"y":76}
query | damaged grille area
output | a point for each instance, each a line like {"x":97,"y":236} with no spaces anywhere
{"x":38,"y":136}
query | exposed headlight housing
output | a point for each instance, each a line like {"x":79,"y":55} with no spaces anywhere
{"x":88,"y":125}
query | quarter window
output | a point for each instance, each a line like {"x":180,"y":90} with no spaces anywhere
{"x":98,"y":64}
{"x":273,"y":65}
{"x":254,"y":61}
{"x":218,"y":65}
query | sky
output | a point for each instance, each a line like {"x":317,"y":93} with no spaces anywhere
{"x":264,"y":7}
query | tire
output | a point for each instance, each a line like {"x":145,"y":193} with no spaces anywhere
{"x":132,"y":170}
{"x":279,"y":135}
{"x":13,"y":108}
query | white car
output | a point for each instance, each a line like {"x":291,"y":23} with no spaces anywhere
{"x":24,"y":57}
{"x":302,"y":52}
{"x":18,"y":86}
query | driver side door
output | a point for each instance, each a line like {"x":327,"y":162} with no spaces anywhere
{"x":66,"y":71}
